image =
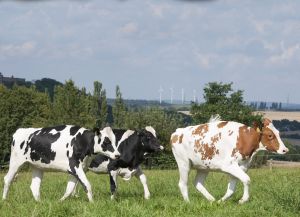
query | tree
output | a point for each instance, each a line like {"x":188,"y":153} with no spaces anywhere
{"x":71,"y":106}
{"x":99,"y":105}
{"x":221,"y":99}
{"x":119,"y":110}
{"x":47,"y":85}
{"x":20,"y":107}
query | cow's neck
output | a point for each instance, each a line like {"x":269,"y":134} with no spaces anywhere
{"x":248,"y":142}
{"x":246,"y":161}
{"x":136,"y":150}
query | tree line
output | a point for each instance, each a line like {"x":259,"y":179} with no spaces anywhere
{"x":23,"y":106}
{"x":45,"y":105}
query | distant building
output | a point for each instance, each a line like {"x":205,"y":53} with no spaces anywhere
{"x":10,"y":81}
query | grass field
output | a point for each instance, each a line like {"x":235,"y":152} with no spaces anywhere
{"x":273,"y":193}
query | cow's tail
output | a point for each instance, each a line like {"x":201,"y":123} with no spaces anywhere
{"x":214,"y":118}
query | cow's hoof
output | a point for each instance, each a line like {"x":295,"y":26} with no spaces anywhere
{"x":241,"y":201}
{"x":147,"y":197}
{"x":212,"y":201}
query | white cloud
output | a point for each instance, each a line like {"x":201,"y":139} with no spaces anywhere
{"x":261,"y":26}
{"x":205,"y":60}
{"x":22,"y":49}
{"x":158,"y":10}
{"x":129,"y":28}
{"x":286,"y":55}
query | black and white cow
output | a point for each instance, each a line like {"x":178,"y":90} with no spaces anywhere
{"x":63,"y":148}
{"x":132,"y":145}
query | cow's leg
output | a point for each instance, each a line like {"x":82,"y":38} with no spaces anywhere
{"x":199,"y":184}
{"x":75,"y":191}
{"x":80,"y":175}
{"x":237,"y":172}
{"x":8,"y":178}
{"x":70,"y":187}
{"x":230,"y":189}
{"x":184,"y":169}
{"x":140,"y":174}
{"x":37,"y":176}
{"x":113,"y":183}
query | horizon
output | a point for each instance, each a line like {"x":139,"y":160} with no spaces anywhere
{"x":144,"y":45}
{"x":175,"y":101}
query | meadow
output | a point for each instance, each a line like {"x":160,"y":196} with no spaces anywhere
{"x":272,"y":193}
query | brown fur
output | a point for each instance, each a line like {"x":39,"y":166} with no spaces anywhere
{"x":247,"y":141}
{"x":174,"y":139}
{"x":201,"y":130}
{"x":222,"y":124}
{"x":269,"y":140}
{"x":180,"y":138}
{"x":207,"y":151}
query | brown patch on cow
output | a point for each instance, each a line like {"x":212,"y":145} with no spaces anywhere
{"x":222,"y":124}
{"x":235,"y":150}
{"x":207,"y":151}
{"x":200,"y":130}
{"x":215,"y":138}
{"x":269,"y":140}
{"x":180,"y":138}
{"x":174,"y":139}
{"x":247,"y":141}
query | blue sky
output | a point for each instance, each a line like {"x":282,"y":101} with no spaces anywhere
{"x":142,"y":45}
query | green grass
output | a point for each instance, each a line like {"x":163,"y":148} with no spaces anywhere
{"x":272,"y":193}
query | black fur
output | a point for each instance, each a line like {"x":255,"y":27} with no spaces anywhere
{"x":40,"y":145}
{"x":74,"y":130}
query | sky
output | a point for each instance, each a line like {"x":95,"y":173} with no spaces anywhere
{"x":144,"y":45}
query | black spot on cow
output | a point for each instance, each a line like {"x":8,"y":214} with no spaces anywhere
{"x":83,"y":145}
{"x":106,"y":145}
{"x":48,"y":129}
{"x":73,"y":130}
{"x":22,"y":144}
{"x":98,"y":160}
{"x":119,"y":133}
{"x":13,"y":143}
{"x":40,"y":144}
{"x":68,"y":153}
{"x":67,"y":145}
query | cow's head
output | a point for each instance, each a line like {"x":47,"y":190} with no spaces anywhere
{"x":105,"y":143}
{"x":149,"y":141}
{"x":270,"y":138}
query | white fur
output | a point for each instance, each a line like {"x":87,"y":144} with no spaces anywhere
{"x":151,"y":130}
{"x":125,"y":136}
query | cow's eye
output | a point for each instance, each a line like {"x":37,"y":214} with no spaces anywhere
{"x":270,"y":136}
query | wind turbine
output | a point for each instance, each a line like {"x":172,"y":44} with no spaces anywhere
{"x":194,"y":94}
{"x":182,"y":96}
{"x":172,"y":91}
{"x":160,"y":93}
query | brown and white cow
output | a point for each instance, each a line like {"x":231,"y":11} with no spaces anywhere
{"x":222,"y":146}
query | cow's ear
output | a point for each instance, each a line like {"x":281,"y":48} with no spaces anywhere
{"x":256,"y":127}
{"x":266,"y":122}
{"x":96,"y":131}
